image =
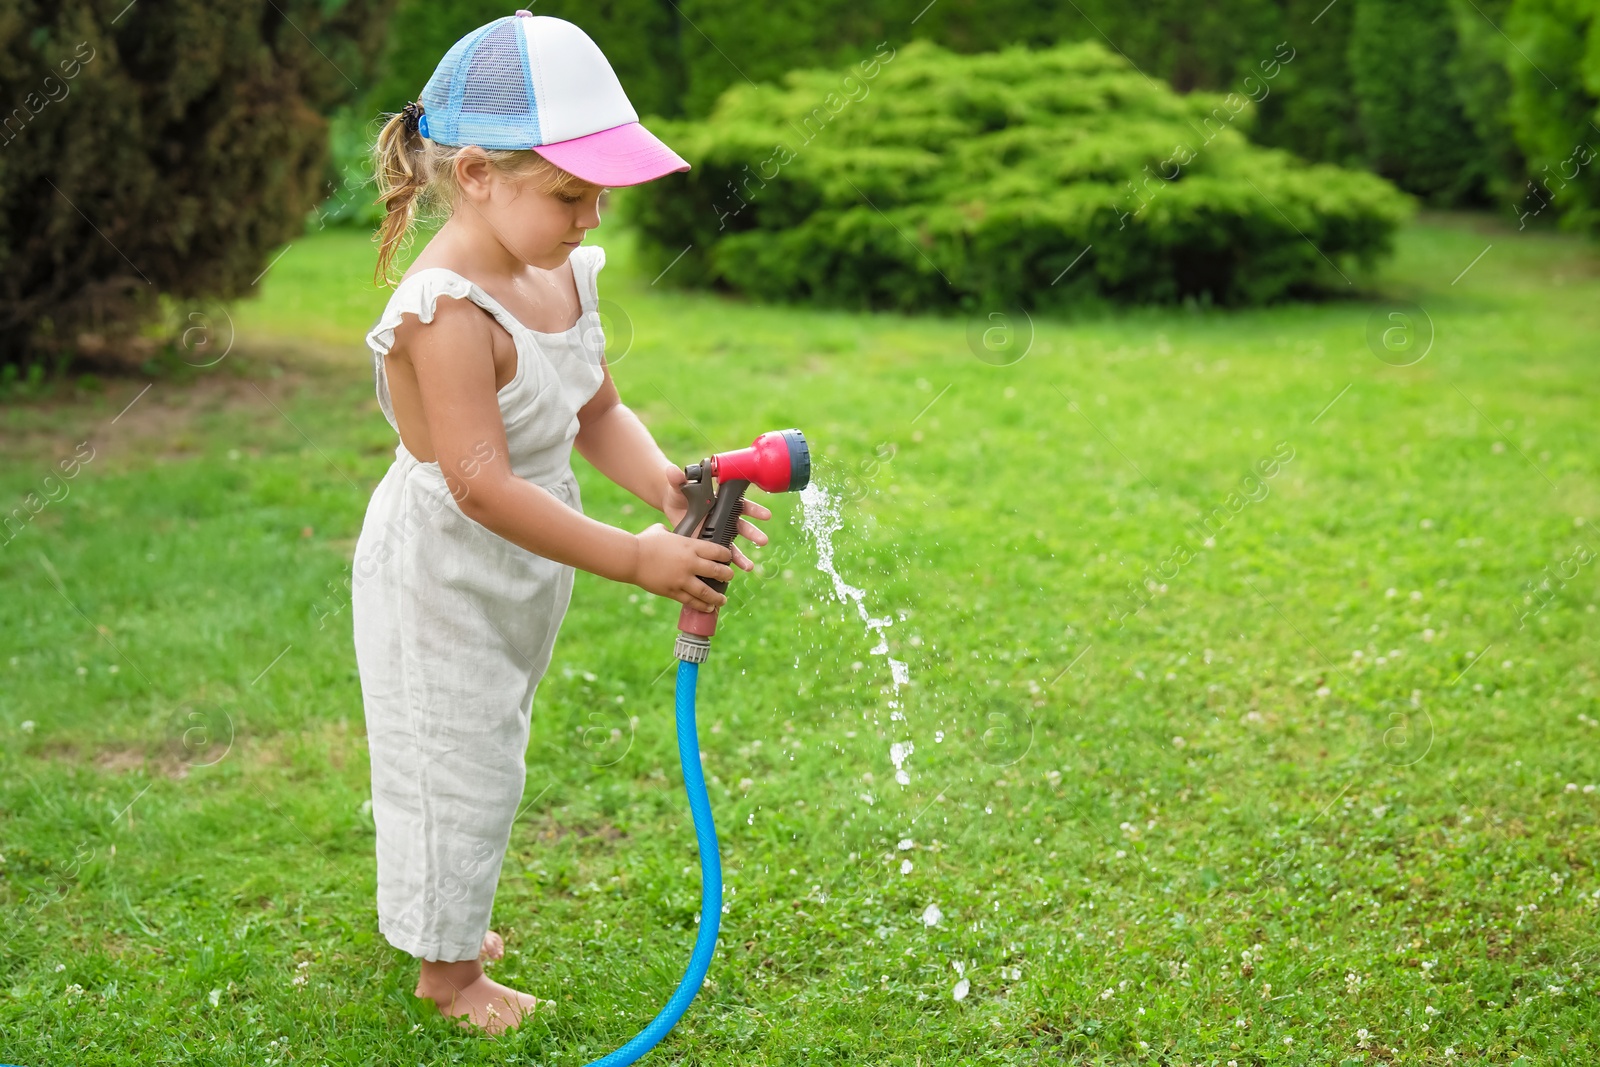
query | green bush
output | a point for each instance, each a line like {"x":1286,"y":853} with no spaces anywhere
{"x":1555,"y":108}
{"x":1480,"y":72}
{"x":159,"y":149}
{"x":1311,"y":110}
{"x":1416,"y":133}
{"x":921,"y":178}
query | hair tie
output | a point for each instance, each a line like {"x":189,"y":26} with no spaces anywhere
{"x":412,"y":114}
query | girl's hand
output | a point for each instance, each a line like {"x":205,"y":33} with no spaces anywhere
{"x":676,"y":506}
{"x":672,"y":566}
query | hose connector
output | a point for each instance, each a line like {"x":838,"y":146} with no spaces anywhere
{"x":692,"y":648}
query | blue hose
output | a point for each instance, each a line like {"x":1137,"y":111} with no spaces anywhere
{"x":705,"y":942}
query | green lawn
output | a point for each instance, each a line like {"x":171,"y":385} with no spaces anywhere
{"x":1323,"y":795}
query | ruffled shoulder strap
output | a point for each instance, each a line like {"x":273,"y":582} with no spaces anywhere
{"x":586,"y":264}
{"x":419,"y":295}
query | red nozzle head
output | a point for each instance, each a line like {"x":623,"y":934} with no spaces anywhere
{"x":779,"y":461}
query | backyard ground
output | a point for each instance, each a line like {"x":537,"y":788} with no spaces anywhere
{"x":1252,"y":711}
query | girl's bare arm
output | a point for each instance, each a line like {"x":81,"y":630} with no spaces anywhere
{"x":619,"y":445}
{"x":454,"y":365}
{"x":611,"y":437}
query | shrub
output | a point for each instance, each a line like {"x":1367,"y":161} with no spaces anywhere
{"x":1481,"y":75}
{"x":159,"y":148}
{"x":1555,"y":108}
{"x":1401,"y":52}
{"x":920,"y":178}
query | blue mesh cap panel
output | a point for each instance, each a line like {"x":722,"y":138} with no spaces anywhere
{"x":494,"y":75}
{"x":481,"y":94}
{"x":497,"y":105}
{"x":436,"y":98}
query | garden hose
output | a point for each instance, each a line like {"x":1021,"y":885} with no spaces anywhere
{"x":705,"y":832}
{"x":779,"y":461}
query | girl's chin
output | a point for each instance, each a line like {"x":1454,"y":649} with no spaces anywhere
{"x":554,"y":258}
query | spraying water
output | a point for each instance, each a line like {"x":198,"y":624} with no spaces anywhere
{"x":821,"y":517}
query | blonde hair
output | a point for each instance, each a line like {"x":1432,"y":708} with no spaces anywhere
{"x":412,"y":170}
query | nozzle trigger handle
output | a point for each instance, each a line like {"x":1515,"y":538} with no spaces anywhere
{"x":722,"y":525}
{"x":700,"y":493}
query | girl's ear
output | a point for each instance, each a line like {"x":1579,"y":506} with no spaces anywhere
{"x":474,"y":173}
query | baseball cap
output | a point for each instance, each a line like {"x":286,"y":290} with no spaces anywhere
{"x":529,"y":81}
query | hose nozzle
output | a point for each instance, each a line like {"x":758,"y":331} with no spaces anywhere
{"x":778,"y":461}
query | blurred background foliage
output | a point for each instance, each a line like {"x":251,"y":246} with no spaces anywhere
{"x":207,"y":134}
{"x":1033,"y":177}
{"x":159,"y":150}
{"x":1460,"y":101}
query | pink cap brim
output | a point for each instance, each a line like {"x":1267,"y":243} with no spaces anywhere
{"x":623,"y":155}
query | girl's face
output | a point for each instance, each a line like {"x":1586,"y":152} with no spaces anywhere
{"x":546,"y":227}
{"x":535,"y":227}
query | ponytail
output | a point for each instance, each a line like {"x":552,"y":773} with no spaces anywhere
{"x":399,"y":162}
{"x":410,"y":168}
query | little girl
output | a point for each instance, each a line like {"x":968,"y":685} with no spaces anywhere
{"x":489,"y":364}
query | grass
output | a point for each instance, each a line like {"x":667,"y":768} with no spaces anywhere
{"x":1305,"y":801}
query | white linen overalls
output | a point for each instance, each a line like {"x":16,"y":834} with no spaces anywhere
{"x":454,"y":628}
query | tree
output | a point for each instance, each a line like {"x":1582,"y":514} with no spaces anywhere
{"x":1555,"y":109}
{"x":1417,"y":133}
{"x":159,"y":148}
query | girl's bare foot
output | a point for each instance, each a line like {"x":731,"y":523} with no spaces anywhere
{"x":461,"y":989}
